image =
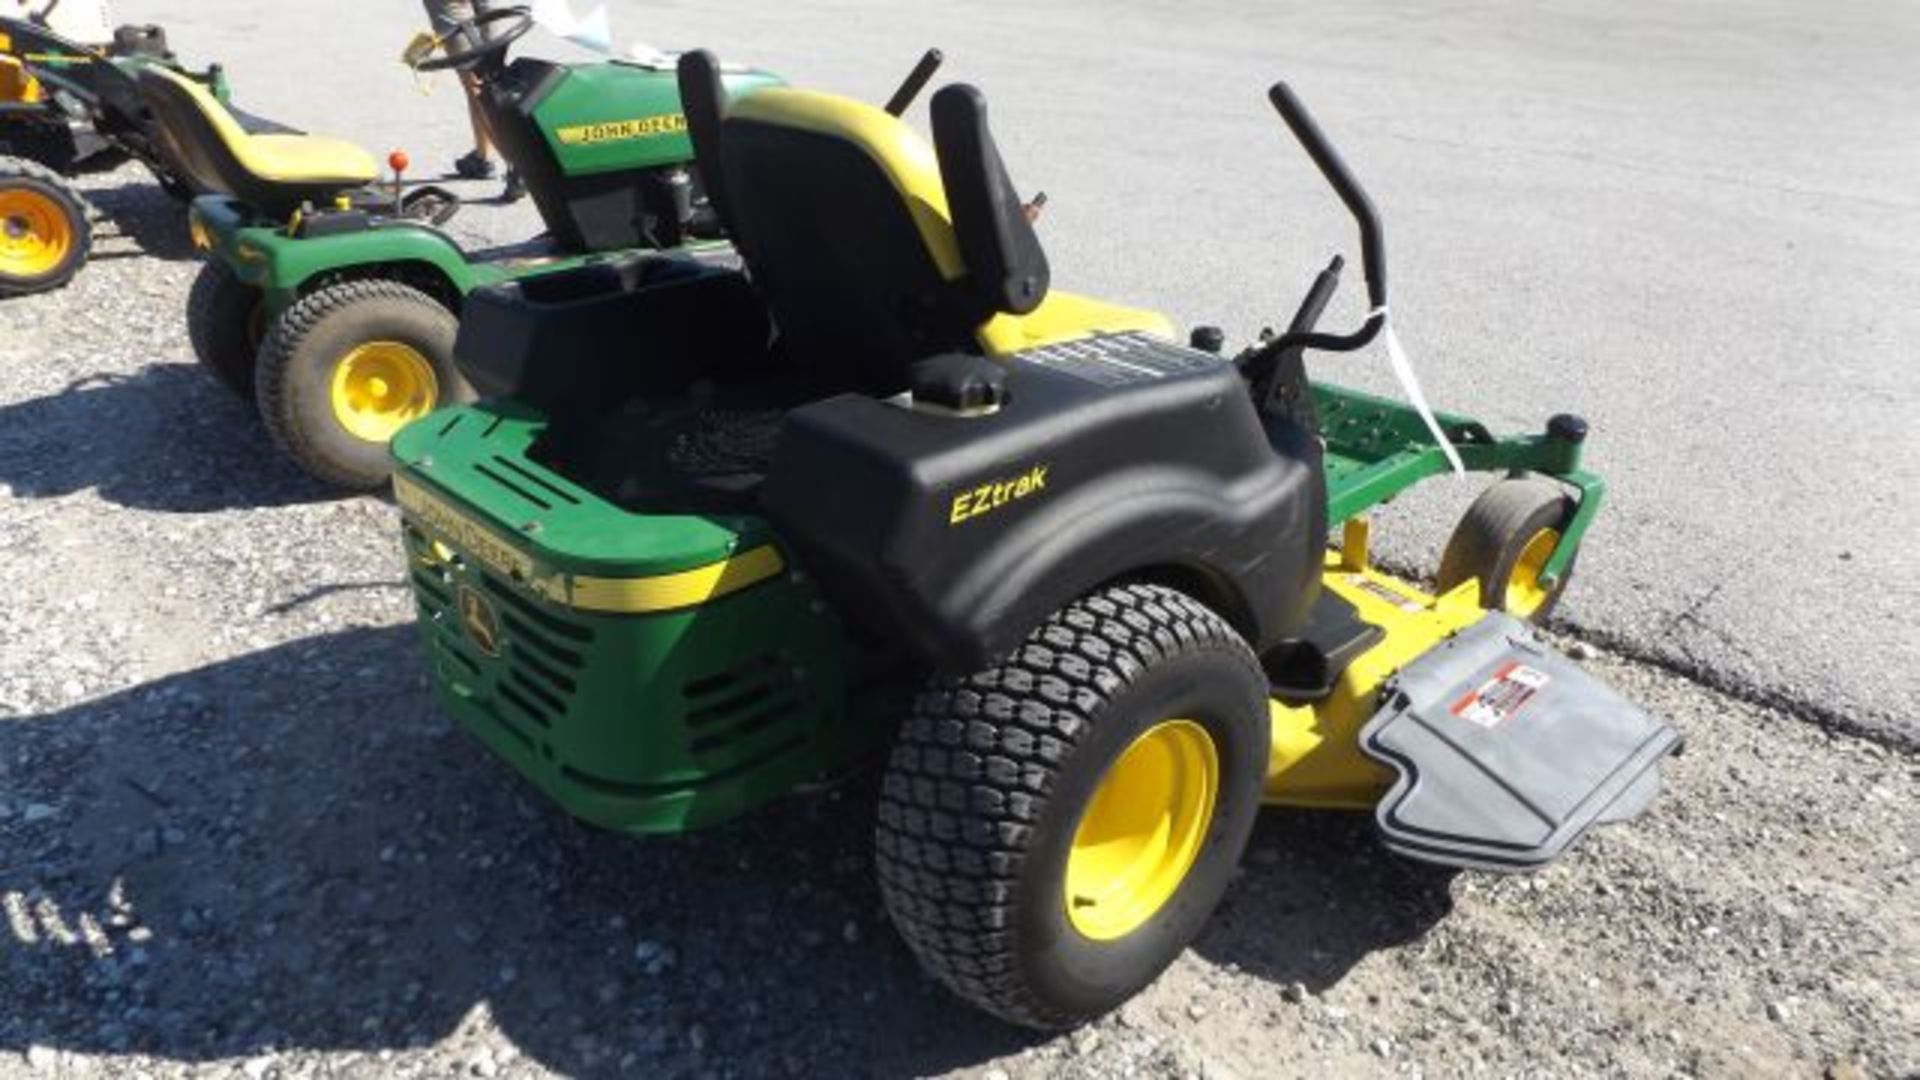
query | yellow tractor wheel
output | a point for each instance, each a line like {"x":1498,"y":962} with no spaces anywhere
{"x":342,"y":371}
{"x":45,"y":234}
{"x":1055,"y":830}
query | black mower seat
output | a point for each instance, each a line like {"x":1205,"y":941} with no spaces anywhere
{"x":790,"y":169}
{"x":273,"y":173}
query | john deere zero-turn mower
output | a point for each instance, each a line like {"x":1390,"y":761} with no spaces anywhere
{"x":67,"y":108}
{"x":339,"y":317}
{"x":664,"y":567}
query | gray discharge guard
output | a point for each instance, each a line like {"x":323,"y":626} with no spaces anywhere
{"x":1507,"y":752}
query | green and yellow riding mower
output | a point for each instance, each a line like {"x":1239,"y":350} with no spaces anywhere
{"x":337,"y":313}
{"x":672,"y":582}
{"x":68,"y":108}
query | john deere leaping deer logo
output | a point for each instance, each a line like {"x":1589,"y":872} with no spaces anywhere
{"x":480,"y":622}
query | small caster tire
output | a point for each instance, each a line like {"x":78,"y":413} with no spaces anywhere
{"x":1504,"y":542}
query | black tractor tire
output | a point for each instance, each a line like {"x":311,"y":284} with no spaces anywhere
{"x":226,"y":318}
{"x":985,"y":793}
{"x":1493,"y":538}
{"x":47,"y":209}
{"x":294,"y":380}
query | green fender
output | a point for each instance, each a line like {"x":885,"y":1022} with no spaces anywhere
{"x":283,"y":267}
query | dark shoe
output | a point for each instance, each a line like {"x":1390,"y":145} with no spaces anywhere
{"x":516,"y":187}
{"x":472,"y":166}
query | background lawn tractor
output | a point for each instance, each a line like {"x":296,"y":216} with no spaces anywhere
{"x":669,"y":571}
{"x":339,"y":316}
{"x":68,"y":107}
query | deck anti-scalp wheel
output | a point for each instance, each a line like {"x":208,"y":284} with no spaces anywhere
{"x":1056,"y":829}
{"x":226,"y":318}
{"x":1505,"y":540}
{"x":343,"y":370}
{"x":45,"y":235}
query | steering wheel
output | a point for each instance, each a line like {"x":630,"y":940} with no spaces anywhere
{"x":472,"y":45}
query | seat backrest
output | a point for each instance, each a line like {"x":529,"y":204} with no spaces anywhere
{"x":204,"y":142}
{"x":842,"y":214}
{"x":186,"y":134}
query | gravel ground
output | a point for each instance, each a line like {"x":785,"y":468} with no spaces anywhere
{"x":237,"y":837}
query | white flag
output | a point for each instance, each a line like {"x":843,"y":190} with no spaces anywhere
{"x":593,"y":31}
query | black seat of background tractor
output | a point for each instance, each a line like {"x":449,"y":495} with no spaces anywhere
{"x":792,"y":169}
{"x":273,"y":173}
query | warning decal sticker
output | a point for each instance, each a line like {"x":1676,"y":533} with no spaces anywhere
{"x":1502,"y":697}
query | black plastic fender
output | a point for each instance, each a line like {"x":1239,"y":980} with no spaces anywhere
{"x":1121,"y":457}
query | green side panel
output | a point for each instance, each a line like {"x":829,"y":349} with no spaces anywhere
{"x":481,"y":454}
{"x":265,"y":256}
{"x":615,"y":116}
{"x":641,"y":723}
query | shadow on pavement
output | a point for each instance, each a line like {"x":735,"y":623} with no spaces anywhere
{"x":166,"y":438}
{"x":143,"y":213}
{"x":294,"y":850}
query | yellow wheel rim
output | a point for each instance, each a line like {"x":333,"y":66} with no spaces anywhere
{"x":381,"y":387}
{"x":1525,"y":594}
{"x":35,"y":234}
{"x":1142,"y":831}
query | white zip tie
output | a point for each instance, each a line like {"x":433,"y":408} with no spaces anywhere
{"x":1410,"y":383}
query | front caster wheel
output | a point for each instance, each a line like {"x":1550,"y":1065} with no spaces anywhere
{"x":1505,"y":540}
{"x":1055,"y":830}
{"x":342,"y":371}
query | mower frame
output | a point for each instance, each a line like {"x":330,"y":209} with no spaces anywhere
{"x":1377,"y":449}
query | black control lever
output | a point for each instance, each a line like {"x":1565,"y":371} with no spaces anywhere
{"x":917,"y":80}
{"x":1278,"y":377}
{"x":1373,"y":246}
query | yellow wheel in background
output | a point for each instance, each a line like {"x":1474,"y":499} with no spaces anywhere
{"x":381,"y":387}
{"x":346,"y":367}
{"x":44,"y":236}
{"x":1140,"y":834}
{"x":35,"y":234}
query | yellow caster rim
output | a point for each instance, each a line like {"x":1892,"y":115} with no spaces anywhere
{"x":1525,"y":594}
{"x":35,"y":234}
{"x":381,"y":387}
{"x":1142,"y":830}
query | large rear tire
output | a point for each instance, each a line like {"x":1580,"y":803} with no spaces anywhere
{"x":46,"y":232}
{"x":1504,"y":541}
{"x":226,"y":319}
{"x":342,"y":371}
{"x":1055,"y":830}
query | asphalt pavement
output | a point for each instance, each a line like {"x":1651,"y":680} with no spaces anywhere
{"x":1696,"y":225}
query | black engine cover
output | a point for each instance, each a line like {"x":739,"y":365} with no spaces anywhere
{"x":1117,"y":457}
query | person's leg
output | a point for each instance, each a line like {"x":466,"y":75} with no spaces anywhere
{"x":482,"y":134}
{"x":448,"y":17}
{"x":516,"y":188}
